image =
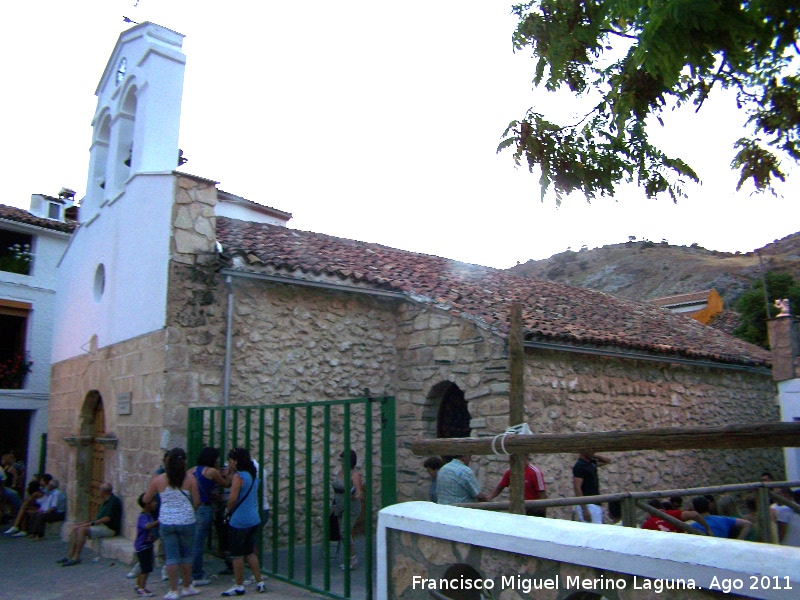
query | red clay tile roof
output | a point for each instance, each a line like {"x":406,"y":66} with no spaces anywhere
{"x":551,"y":311}
{"x":12,"y":213}
{"x":726,"y":321}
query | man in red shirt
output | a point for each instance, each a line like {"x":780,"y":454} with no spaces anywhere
{"x":534,"y":487}
{"x":656,"y":523}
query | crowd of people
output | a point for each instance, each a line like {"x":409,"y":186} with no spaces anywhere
{"x":12,"y":483}
{"x":182,"y":505}
{"x":43,"y":503}
{"x":454,"y":482}
{"x":178,"y":510}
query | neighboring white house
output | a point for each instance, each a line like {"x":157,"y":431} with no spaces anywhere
{"x":784,"y":339}
{"x":31,"y":245}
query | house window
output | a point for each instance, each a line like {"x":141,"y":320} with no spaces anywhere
{"x":54,"y":211}
{"x":14,"y":363}
{"x":16,"y":252}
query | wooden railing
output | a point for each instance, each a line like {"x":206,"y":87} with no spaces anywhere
{"x":637,"y":500}
{"x":740,"y":436}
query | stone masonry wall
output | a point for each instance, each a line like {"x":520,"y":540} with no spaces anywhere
{"x":196,"y":307}
{"x":436,"y":348}
{"x":297,"y":344}
{"x":513,"y":576}
{"x":603,"y":394}
{"x":135,"y":366}
{"x":567,"y":392}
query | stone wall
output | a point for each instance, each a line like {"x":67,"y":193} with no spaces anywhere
{"x":298,"y":344}
{"x":295,"y":344}
{"x":196,"y":308}
{"x":419,"y":563}
{"x":135,"y":366}
{"x":435,"y":348}
{"x":570,"y":392}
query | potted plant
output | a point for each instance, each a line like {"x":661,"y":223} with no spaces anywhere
{"x":13,"y":371}
{"x":17,"y":259}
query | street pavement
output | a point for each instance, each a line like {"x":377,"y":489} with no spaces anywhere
{"x":30,"y":572}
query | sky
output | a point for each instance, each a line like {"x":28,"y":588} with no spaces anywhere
{"x":367,"y":120}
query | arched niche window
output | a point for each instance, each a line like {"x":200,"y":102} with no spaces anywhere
{"x":100,"y":154}
{"x":125,"y":121}
{"x":452,"y":419}
{"x":98,"y":182}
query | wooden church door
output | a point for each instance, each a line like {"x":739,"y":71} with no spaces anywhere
{"x":97,"y":458}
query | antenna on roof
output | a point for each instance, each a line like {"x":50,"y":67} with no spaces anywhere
{"x":127,"y":20}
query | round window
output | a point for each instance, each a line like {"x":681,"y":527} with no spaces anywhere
{"x":99,"y":282}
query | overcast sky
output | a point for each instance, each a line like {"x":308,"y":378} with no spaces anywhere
{"x":369,"y":120}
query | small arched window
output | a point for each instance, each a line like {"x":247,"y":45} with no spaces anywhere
{"x":453,"y":417}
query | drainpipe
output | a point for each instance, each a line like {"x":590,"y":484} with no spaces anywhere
{"x":226,"y":376}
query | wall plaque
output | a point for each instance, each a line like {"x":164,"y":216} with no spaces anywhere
{"x":124,"y":403}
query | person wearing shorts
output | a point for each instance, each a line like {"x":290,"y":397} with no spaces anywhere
{"x":179,"y":500}
{"x":243,"y":510}
{"x":146,"y":528}
{"x":107,"y":523}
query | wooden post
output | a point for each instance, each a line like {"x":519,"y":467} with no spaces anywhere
{"x":763,"y":518}
{"x":629,"y":512}
{"x":516,"y":409}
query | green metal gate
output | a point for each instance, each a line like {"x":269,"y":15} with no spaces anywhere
{"x":295,"y":445}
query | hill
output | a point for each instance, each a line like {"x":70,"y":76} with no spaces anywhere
{"x":642,"y":270}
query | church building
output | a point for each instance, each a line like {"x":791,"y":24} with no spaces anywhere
{"x":169,"y":279}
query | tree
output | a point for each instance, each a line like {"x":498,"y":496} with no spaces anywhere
{"x":750,"y":305}
{"x":675,"y":52}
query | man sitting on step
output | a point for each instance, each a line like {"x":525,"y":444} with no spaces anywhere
{"x":107,"y":523}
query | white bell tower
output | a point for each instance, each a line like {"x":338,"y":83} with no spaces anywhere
{"x":135,"y":127}
{"x":113,"y":277}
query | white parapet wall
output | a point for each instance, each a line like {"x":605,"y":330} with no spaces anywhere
{"x":527,"y":557}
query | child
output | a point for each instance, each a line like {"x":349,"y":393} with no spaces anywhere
{"x":145,"y":537}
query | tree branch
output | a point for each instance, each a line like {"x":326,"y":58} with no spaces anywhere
{"x":714,"y":80}
{"x":620,"y":34}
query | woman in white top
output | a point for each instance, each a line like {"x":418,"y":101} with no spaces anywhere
{"x":179,"y":500}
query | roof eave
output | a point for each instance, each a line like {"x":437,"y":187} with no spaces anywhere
{"x":631,"y":353}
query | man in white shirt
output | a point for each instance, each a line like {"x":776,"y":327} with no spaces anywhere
{"x":52,"y":509}
{"x":788,"y":520}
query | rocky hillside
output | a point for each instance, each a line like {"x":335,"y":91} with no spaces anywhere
{"x":641,"y":270}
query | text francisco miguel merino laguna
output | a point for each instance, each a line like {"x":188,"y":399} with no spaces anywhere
{"x":526,"y":584}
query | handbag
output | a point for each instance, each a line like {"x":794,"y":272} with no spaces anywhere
{"x":334,"y":534}
{"x":226,"y":518}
